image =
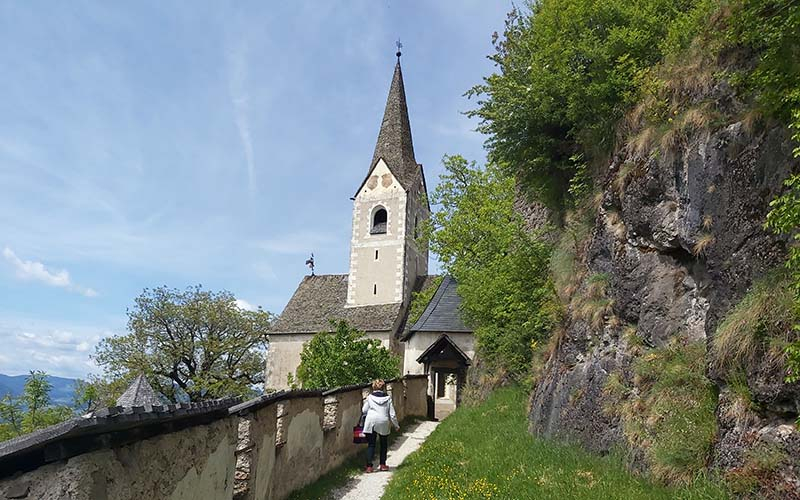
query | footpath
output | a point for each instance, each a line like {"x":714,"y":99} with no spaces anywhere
{"x":371,"y":486}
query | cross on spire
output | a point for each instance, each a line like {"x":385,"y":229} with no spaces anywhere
{"x":399,"y":48}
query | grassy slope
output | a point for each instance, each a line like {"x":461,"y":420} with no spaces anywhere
{"x":486,"y":452}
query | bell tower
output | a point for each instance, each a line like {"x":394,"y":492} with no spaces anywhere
{"x":388,"y":208}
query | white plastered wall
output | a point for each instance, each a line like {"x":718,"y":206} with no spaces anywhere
{"x":420,"y":341}
{"x":378,"y":281}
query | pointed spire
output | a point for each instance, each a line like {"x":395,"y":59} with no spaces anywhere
{"x":394,"y":139}
{"x":139,"y":393}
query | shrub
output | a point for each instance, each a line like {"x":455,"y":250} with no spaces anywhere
{"x":784,"y":218}
{"x":760,"y":465}
{"x":344,"y":357}
{"x":765,"y":313}
{"x":668,"y":412}
{"x":594,"y":306}
{"x":704,"y":241}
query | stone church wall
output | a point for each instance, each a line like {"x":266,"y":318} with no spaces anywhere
{"x":262,"y":449}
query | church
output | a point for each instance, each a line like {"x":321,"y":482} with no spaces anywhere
{"x":387,"y":265}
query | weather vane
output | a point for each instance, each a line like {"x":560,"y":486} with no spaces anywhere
{"x":399,"y":46}
{"x":310,"y":264}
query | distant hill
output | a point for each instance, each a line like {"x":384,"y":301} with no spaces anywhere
{"x":63,"y":388}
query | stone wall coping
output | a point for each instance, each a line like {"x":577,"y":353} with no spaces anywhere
{"x":275,"y":397}
{"x":102,"y":429}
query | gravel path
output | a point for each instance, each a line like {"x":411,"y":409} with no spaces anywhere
{"x":371,"y":486}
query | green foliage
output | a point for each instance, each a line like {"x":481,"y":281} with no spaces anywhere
{"x":569,"y":249}
{"x":580,"y":185}
{"x":670,"y":414}
{"x":421,"y":299}
{"x":11,"y":414}
{"x":784,"y":218}
{"x":195,"y":342}
{"x":567,"y":71}
{"x":342,"y":357}
{"x":501,"y":270}
{"x":32,"y":410}
{"x":99,"y":392}
{"x":764,"y":314}
{"x":486,"y":451}
{"x":771,"y":28}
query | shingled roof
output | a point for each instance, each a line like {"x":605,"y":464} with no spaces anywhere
{"x":319,"y":299}
{"x":139,"y":393}
{"x":394,"y":143}
{"x":443,"y":313}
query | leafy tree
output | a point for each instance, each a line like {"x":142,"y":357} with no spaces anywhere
{"x":31,"y":410}
{"x":344,"y":356}
{"x":193,"y":342}
{"x":566,"y":72}
{"x":99,"y":392}
{"x":36,"y":397}
{"x":11,"y":414}
{"x":771,"y":29}
{"x":501,"y":270}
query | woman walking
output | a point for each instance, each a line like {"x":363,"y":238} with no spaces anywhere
{"x":379,"y":412}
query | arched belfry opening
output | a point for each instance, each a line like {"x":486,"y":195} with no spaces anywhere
{"x":379,"y":218}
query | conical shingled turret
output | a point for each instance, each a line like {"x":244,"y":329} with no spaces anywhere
{"x":139,"y":393}
{"x":394,"y":139}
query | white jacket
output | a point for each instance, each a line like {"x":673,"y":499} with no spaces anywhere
{"x":379,"y":411}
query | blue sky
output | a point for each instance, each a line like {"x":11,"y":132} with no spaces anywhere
{"x":176,"y":143}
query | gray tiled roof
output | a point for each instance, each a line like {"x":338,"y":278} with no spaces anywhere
{"x":423,"y":283}
{"x":139,"y":393}
{"x":319,"y":299}
{"x":394,"y":142}
{"x":443,"y":313}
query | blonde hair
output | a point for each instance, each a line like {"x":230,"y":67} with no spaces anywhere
{"x":378,"y":385}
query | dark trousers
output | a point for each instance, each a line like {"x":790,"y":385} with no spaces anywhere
{"x":371,"y":438}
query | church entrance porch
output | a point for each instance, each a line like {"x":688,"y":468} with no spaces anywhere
{"x":445,"y":389}
{"x":447,"y":367}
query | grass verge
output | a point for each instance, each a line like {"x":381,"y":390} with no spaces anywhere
{"x":485,"y":451}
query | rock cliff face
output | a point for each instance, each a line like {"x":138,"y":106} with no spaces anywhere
{"x":679,"y":239}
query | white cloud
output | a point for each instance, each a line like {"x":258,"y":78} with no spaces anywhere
{"x":237,"y":59}
{"x":63,"y":351}
{"x":245,"y":306}
{"x":30,"y":270}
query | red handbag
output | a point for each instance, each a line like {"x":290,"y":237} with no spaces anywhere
{"x":358,"y":432}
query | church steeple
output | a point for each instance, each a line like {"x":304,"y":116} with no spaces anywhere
{"x":394,"y":143}
{"x":388,"y":208}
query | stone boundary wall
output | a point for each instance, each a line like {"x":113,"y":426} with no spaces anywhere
{"x":261,"y":449}
{"x":291,"y":439}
